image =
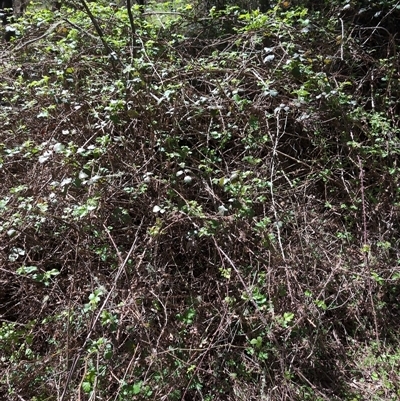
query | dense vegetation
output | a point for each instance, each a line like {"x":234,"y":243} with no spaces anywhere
{"x":201,"y":203}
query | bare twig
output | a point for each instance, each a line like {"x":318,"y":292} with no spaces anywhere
{"x":97,"y":317}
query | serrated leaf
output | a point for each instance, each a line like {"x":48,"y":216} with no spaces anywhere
{"x":86,"y":387}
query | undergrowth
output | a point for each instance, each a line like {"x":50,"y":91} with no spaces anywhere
{"x":200,"y":207}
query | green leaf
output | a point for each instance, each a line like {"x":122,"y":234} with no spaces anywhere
{"x":86,"y":387}
{"x":26,"y":269}
{"x":137,"y":388}
{"x":288,"y":316}
{"x":257,"y":342}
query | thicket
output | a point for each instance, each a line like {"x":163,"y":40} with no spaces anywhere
{"x":200,"y":205}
